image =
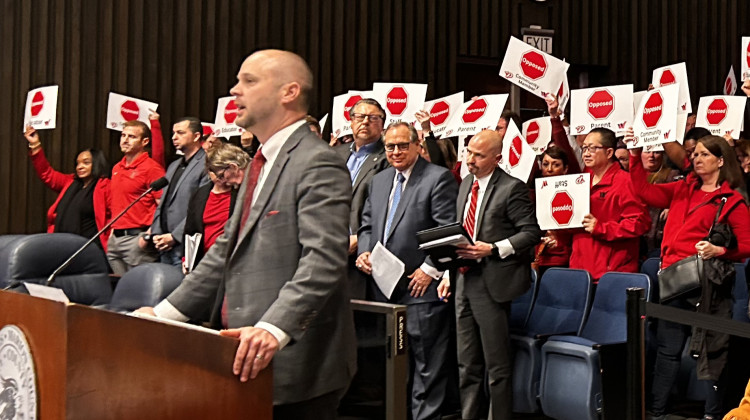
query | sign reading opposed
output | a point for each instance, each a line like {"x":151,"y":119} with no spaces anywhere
{"x":400,"y":100}
{"x":745,"y":58}
{"x":475,"y":116}
{"x":538,"y":133}
{"x":121,"y":109}
{"x":605,"y":107}
{"x":721,"y":114}
{"x":41,"y":108}
{"x":675,"y":74}
{"x":655,"y":121}
{"x":518,"y":157}
{"x":226,"y":113}
{"x":442,"y":110}
{"x":532,"y":69}
{"x":730,"y":83}
{"x":341,"y":124}
{"x":562,"y":201}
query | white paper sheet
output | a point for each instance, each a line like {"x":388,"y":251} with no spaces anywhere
{"x":387,"y":269}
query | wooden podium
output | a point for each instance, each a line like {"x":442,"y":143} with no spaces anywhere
{"x":95,"y":364}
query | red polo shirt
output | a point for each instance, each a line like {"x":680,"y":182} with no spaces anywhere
{"x":130,"y":181}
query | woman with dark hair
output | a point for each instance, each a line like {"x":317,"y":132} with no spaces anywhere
{"x":693,"y":204}
{"x":83,"y":204}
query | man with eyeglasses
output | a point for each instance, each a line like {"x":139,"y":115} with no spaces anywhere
{"x":365,"y":157}
{"x":411,"y":196}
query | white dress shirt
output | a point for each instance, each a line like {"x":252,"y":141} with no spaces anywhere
{"x":503,"y":246}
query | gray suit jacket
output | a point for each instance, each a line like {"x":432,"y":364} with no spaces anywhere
{"x":428,"y":201}
{"x":177,"y":203}
{"x":287,"y":267}
{"x":375,"y":163}
{"x":505,"y":213}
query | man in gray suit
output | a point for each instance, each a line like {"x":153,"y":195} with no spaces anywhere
{"x":185,"y":175}
{"x":496,"y":210}
{"x":280,"y":266}
{"x":410,"y":196}
{"x":365,"y":157}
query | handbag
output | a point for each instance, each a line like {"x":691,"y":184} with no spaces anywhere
{"x":684,"y":276}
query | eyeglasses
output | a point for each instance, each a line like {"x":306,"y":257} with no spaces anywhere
{"x":220,"y":174}
{"x":356,"y":116}
{"x":401,"y":146}
{"x":592,"y":149}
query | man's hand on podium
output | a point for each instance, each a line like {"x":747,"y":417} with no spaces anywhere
{"x":257,"y":348}
{"x":148,"y":310}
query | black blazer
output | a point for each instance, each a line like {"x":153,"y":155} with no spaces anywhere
{"x":196,"y":207}
{"x":375,"y":163}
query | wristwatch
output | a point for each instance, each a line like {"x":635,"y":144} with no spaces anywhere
{"x":495,"y":250}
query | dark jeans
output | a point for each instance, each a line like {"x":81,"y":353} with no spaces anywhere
{"x":671,"y":339}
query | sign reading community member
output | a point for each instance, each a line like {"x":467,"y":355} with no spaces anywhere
{"x":745,"y":58}
{"x":518,"y":157}
{"x":400,"y":100}
{"x":442,"y":110}
{"x":604,"y":107}
{"x":121,"y":109}
{"x":675,"y":74}
{"x":730,"y":83}
{"x":532,"y":69}
{"x":483,"y":113}
{"x":538,"y":133}
{"x":562,"y":201}
{"x":721,"y":114}
{"x":341,"y":122}
{"x":226,"y":113}
{"x":655,"y":121}
{"x":41,"y":108}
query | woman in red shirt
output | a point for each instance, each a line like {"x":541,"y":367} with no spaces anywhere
{"x":551,"y":253}
{"x":693,"y":205}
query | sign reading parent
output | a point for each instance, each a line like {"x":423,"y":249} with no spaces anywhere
{"x":655,"y":121}
{"x":477,"y":115}
{"x":121,"y":109}
{"x":605,"y":107}
{"x":400,"y":100}
{"x":442,"y":110}
{"x":745,"y":58}
{"x":226,"y":113}
{"x":517,"y":158}
{"x":538,"y":133}
{"x":41,"y":108}
{"x":562,"y":201}
{"x":532,"y":69}
{"x":721,"y":114}
{"x":675,"y":74}
{"x":341,"y":122}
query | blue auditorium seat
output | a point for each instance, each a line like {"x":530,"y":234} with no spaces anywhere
{"x":145,"y":285}
{"x":520,"y":307}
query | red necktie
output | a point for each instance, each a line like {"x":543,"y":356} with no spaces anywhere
{"x":252,"y":181}
{"x":470,"y":220}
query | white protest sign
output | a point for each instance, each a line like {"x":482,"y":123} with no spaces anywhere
{"x":563,"y":95}
{"x":745,"y":58}
{"x":322,"y":123}
{"x":532,"y":69}
{"x":475,"y":116}
{"x":655,"y":121}
{"x":442,"y":110}
{"x":637,"y":97}
{"x":41,"y":108}
{"x":226,"y":113}
{"x":121,"y":109}
{"x":604,"y":107}
{"x":518,"y":157}
{"x":538,"y":133}
{"x":341,"y":124}
{"x":675,"y":74}
{"x":730,"y":83}
{"x":208,"y":128}
{"x":562,"y":201}
{"x":400,"y":100}
{"x":721,"y":114}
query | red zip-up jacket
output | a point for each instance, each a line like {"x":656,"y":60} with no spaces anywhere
{"x":691,"y":214}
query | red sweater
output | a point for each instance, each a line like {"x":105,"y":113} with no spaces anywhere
{"x":59,"y":182}
{"x":691,"y":214}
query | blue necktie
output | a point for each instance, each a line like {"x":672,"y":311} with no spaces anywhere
{"x":394,"y":206}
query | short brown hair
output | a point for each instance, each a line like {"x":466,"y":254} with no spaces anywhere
{"x":145,"y":131}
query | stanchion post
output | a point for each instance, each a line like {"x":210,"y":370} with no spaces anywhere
{"x":635,"y":409}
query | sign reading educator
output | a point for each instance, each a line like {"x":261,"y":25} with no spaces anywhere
{"x":442,"y":110}
{"x":121,"y":109}
{"x":226,"y":113}
{"x":41,"y":108}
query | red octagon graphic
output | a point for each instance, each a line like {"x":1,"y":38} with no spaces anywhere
{"x":129,"y":110}
{"x":515,"y":152}
{"x":439,"y":113}
{"x":532,"y":132}
{"x":652,"y":110}
{"x":37,"y":103}
{"x":601,"y":104}
{"x":533,"y":65}
{"x":728,"y":86}
{"x":230,"y":112}
{"x":396,"y":100}
{"x":562,"y":208}
{"x":475,"y":111}
{"x":667,"y":78}
{"x":717,"y":111}
{"x":349,"y":104}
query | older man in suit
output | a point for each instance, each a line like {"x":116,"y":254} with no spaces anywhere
{"x":280,"y":266}
{"x":410,"y":196}
{"x":185,"y":176}
{"x":365,"y":157}
{"x":496,"y":211}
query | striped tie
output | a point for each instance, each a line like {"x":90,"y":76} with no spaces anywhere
{"x":470,"y":221}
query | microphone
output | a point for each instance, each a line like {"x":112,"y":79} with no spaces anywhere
{"x":154,"y":186}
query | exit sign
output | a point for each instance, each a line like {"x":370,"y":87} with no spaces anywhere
{"x":538,"y":38}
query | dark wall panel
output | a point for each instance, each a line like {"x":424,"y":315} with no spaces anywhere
{"x":184,"y":54}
